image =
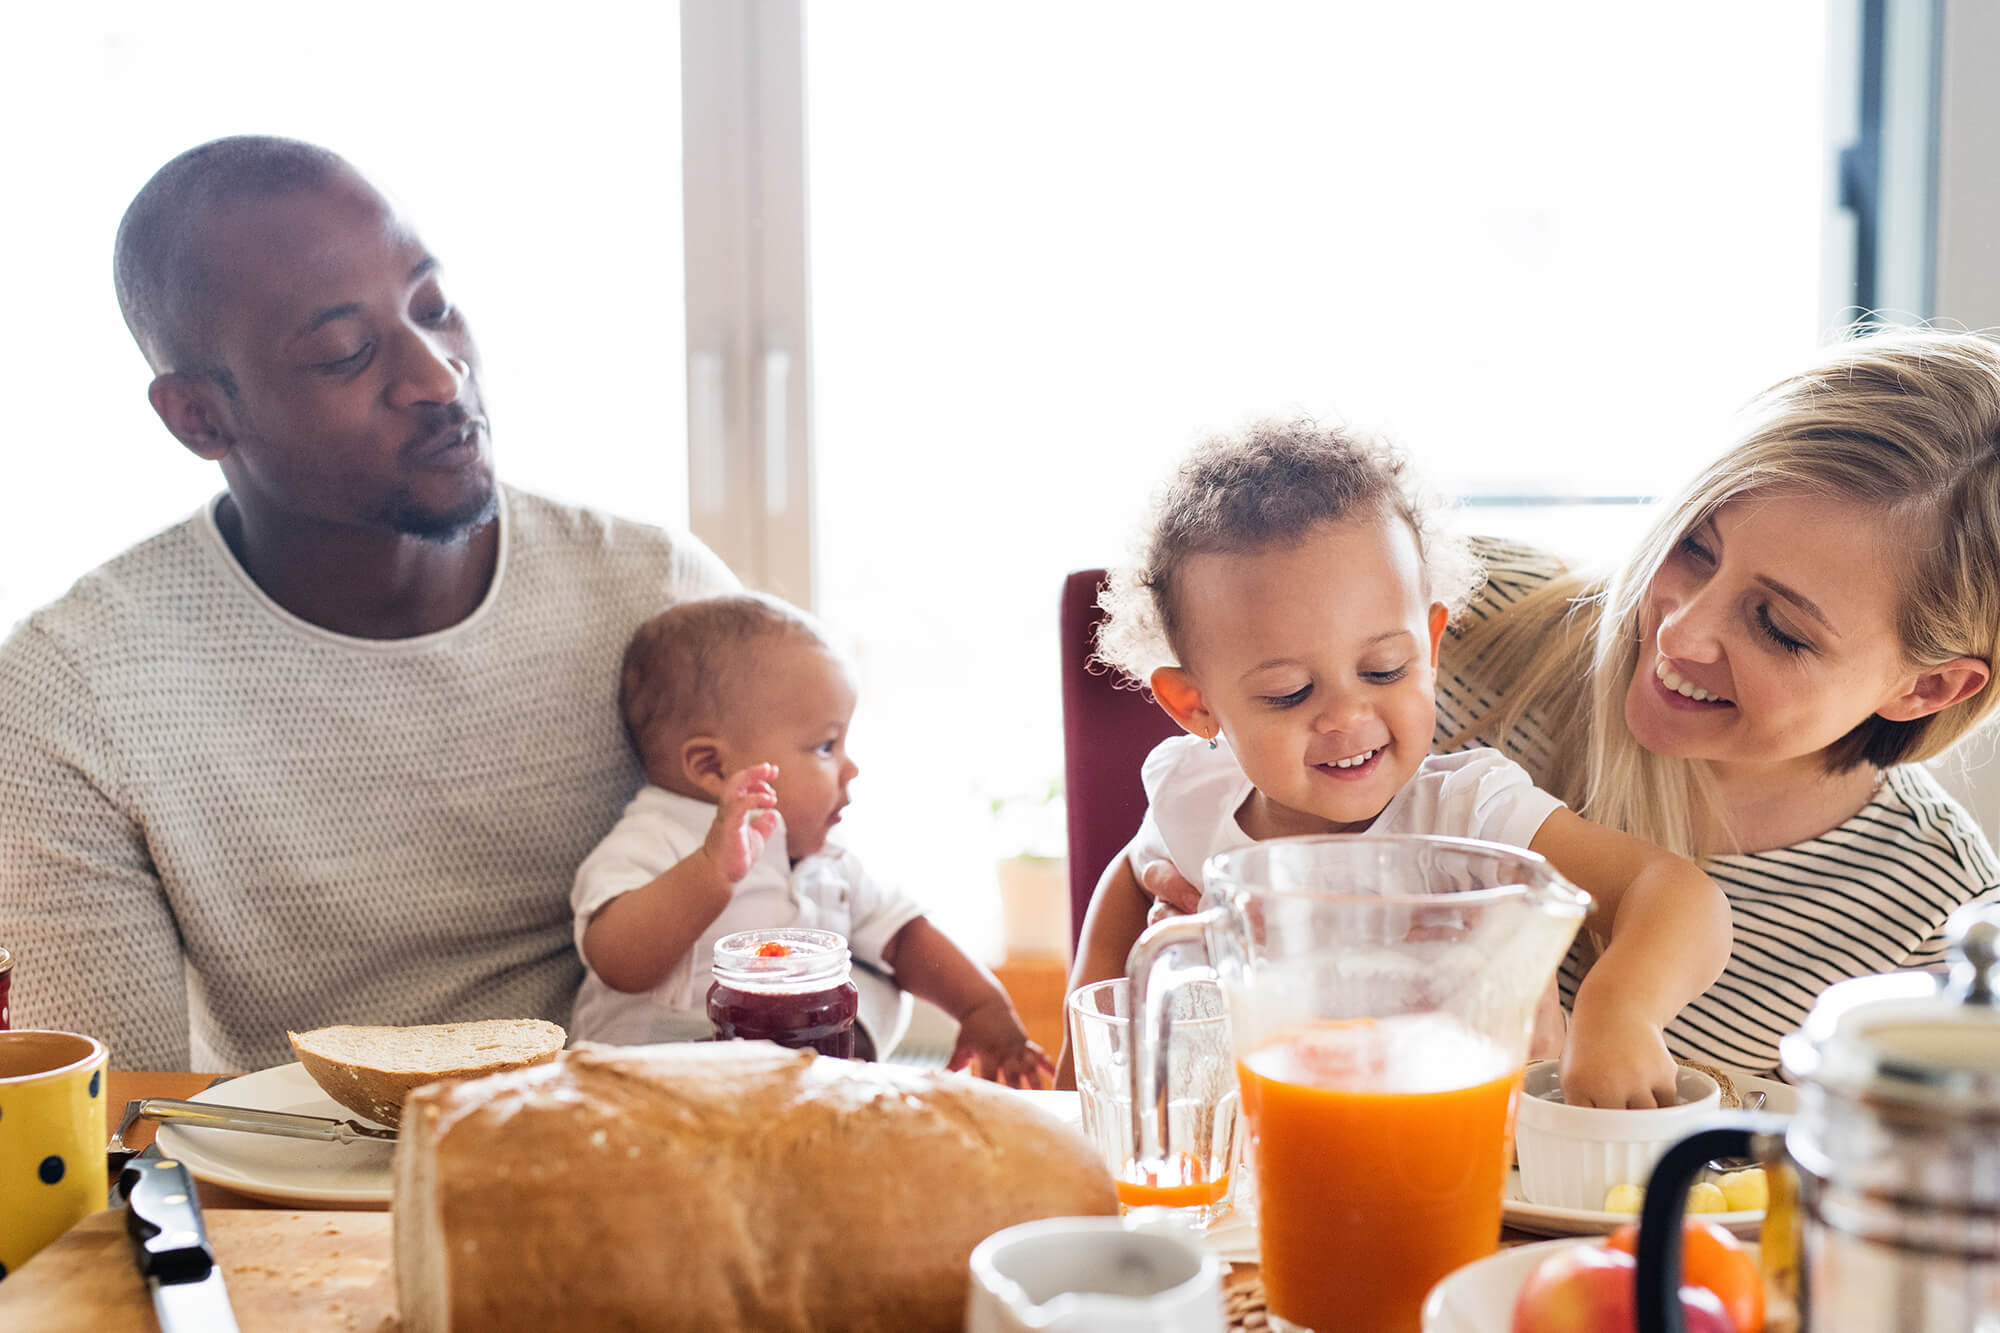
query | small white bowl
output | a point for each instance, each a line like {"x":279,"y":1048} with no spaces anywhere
{"x":1571,"y":1155}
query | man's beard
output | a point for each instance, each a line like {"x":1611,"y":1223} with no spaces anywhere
{"x":402,"y":514}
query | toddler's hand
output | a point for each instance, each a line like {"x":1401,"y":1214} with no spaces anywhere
{"x":1613,"y":1059}
{"x":744,"y":818}
{"x":992,"y":1033}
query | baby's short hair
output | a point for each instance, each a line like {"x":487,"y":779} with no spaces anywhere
{"x":681,"y":666}
{"x":1259,"y":488}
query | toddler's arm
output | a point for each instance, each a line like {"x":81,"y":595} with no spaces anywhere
{"x":1669,"y":938}
{"x":1111,"y":926}
{"x":927,"y":964}
{"x":637,"y":937}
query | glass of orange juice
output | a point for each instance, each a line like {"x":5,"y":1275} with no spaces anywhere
{"x":1203,"y":1106}
{"x":1380,"y":991}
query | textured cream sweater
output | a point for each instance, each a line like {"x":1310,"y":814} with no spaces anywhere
{"x":218,"y":821}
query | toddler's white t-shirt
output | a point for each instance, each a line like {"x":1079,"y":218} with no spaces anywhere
{"x":828,"y":890}
{"x":1193,"y":794}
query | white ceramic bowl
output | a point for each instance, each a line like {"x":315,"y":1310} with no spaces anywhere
{"x":1571,"y":1155}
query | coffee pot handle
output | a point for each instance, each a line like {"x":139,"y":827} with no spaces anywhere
{"x":1658,"y":1278}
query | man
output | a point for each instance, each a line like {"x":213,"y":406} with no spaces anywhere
{"x":331,"y":749}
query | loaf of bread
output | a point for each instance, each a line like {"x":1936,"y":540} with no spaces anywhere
{"x":725,"y":1186}
{"x":369,"y":1070}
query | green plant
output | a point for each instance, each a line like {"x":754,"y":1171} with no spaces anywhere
{"x":1030,"y":823}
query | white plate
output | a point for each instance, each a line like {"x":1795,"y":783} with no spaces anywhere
{"x":300,"y":1172}
{"x":1479,"y":1298}
{"x":1543,"y":1220}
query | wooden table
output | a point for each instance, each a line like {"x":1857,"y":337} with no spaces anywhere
{"x":288,"y":1271}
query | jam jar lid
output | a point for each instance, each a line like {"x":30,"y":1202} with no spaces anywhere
{"x":1907,"y":1036}
{"x":784,"y":958}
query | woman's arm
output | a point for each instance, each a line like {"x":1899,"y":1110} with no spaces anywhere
{"x":1669,"y":937}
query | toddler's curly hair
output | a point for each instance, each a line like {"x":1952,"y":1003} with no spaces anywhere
{"x":1266,"y":486}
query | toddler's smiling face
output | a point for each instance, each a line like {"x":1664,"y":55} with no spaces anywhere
{"x":1317,"y":660}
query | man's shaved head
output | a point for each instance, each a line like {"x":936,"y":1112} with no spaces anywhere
{"x":164,"y":289}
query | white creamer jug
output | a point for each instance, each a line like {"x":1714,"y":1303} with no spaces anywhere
{"x":1135,"y":1274}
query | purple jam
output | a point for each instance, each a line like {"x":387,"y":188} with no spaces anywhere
{"x":821,"y":1020}
{"x":785,"y":985}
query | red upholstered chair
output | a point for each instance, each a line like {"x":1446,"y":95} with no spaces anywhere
{"x":1107,"y":733}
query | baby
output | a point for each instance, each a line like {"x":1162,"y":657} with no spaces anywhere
{"x":739,"y":709}
{"x":1287,"y":614}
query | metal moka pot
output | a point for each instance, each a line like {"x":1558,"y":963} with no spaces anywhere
{"x":1885,"y":1185}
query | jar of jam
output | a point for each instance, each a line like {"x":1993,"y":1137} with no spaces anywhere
{"x":787,"y":986}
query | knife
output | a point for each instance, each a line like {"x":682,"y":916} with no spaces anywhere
{"x":206,"y":1115}
{"x":171,"y":1245}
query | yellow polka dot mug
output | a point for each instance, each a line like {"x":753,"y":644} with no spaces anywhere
{"x":52,"y":1135}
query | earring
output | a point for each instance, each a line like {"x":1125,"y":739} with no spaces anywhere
{"x":1211,"y":742}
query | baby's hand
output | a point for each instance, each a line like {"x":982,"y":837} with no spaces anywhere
{"x":744,"y":818}
{"x":992,"y":1033}
{"x":1613,"y":1059}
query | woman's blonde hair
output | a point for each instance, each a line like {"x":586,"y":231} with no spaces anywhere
{"x":1907,"y":421}
{"x":1261,"y":487}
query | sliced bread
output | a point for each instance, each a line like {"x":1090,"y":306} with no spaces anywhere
{"x":369,"y":1070}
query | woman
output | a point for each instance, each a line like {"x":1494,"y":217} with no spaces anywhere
{"x":1815,"y":614}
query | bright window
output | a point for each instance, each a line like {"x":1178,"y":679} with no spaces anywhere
{"x":1548,"y":248}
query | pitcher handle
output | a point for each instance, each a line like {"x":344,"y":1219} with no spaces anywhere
{"x":1150,"y":983}
{"x":1658,"y":1280}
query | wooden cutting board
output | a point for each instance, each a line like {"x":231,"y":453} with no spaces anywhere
{"x":317,"y":1272}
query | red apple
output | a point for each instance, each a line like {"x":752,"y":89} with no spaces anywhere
{"x":1590,"y":1289}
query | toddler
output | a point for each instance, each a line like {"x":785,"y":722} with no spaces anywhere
{"x":739,"y":709}
{"x":1287,"y":615}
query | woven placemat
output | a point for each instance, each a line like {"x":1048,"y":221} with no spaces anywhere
{"x":1243,"y":1300}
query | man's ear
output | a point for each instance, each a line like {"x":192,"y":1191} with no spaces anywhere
{"x":1937,"y":689}
{"x":702,"y":764}
{"x":1440,"y":617}
{"x":195,"y":410}
{"x":1175,"y":691}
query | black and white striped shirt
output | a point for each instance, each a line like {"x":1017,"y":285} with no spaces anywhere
{"x":1870,"y":895}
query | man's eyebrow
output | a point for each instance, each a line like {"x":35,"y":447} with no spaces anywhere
{"x":325,"y":317}
{"x":322,"y":318}
{"x":1798,"y":599}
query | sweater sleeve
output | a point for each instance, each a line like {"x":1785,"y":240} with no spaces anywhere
{"x":81,"y":905}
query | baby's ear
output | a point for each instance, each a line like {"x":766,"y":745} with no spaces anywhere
{"x":1440,"y":617}
{"x":702,"y":764}
{"x":1175,"y":691}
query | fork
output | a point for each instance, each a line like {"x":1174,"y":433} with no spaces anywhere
{"x":116,"y":1153}
{"x":1754,"y":1102}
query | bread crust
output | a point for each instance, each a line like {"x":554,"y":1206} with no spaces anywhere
{"x":377,"y":1092}
{"x":729,"y":1186}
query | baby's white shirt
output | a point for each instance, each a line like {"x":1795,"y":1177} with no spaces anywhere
{"x":828,"y":890}
{"x":1193,"y":794}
